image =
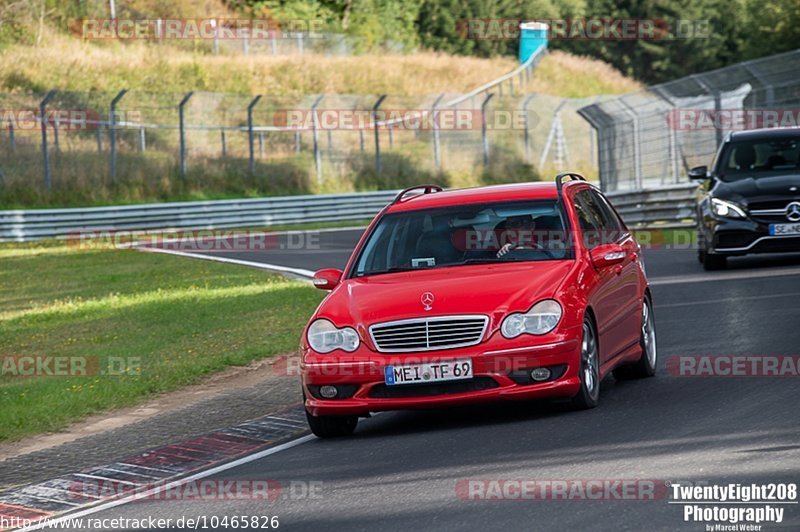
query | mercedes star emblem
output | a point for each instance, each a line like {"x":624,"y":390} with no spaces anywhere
{"x":427,"y":300}
{"x":793,"y":211}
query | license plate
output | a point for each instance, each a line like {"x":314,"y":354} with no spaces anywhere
{"x":784,"y":229}
{"x":453,"y":370}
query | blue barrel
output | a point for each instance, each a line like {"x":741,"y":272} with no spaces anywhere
{"x":532,"y":37}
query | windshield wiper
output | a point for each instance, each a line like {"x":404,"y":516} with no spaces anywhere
{"x":394,"y":269}
{"x":493,"y":261}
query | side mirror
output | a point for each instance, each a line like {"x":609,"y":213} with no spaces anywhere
{"x":607,"y":255}
{"x":698,"y":173}
{"x":327,"y":279}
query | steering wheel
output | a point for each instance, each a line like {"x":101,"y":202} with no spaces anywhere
{"x":533,"y":245}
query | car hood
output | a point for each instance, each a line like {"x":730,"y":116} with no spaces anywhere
{"x":753,"y":190}
{"x":489,"y":289}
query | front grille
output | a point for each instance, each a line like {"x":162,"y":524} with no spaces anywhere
{"x":428,"y":334}
{"x":770,"y":211}
{"x":735,"y":239}
{"x":780,"y":244}
{"x":769,"y":205}
{"x":382,"y":391}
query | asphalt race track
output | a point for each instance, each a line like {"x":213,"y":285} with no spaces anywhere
{"x":400,"y":471}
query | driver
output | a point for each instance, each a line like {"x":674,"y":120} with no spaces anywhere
{"x":517,"y":231}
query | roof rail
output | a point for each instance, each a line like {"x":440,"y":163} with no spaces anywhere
{"x":427,"y":189}
{"x":574,"y":176}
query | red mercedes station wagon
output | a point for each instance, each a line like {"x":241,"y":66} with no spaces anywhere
{"x":520,"y":291}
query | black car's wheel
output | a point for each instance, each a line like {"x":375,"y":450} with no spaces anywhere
{"x":331,"y":426}
{"x":646,"y":365}
{"x":589,"y":394}
{"x":712,"y":261}
{"x":701,"y":246}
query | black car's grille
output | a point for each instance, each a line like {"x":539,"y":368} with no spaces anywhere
{"x":770,"y":211}
{"x":770,"y":205}
{"x":428,"y":334}
{"x":735,"y":239}
{"x":382,"y":391}
{"x":784,"y":244}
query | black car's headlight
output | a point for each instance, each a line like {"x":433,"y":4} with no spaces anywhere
{"x":324,"y":337}
{"x":540,"y":319}
{"x":727,"y":209}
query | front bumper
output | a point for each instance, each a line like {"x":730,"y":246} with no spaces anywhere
{"x":498,"y":370}
{"x":745,"y":236}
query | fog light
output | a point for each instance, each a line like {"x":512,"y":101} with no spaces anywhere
{"x":329,"y":392}
{"x":540,"y":374}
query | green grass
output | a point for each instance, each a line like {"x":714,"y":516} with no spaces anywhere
{"x":683,"y":238}
{"x":182,"y":319}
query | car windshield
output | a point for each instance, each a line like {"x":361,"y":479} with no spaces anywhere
{"x":760,"y":158}
{"x":465,"y":234}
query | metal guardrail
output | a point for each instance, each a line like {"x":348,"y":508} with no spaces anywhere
{"x":663,"y":208}
{"x":26,"y":225}
{"x":667,"y":207}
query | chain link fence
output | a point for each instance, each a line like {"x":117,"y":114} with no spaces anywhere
{"x":157,"y":145}
{"x":650,"y":138}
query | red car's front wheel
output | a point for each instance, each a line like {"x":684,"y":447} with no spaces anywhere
{"x":646,"y":365}
{"x":589,"y":394}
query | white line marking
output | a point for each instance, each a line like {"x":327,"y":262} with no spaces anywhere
{"x":96,"y":477}
{"x":265,"y":230}
{"x":150,"y":477}
{"x":303,"y":275}
{"x":725,"y":276}
{"x":727,"y":300}
{"x":126,"y":464}
{"x":126,"y":500}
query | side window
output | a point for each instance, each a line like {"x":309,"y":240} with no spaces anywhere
{"x":613,"y":224}
{"x":591,"y":225}
{"x":600,"y":224}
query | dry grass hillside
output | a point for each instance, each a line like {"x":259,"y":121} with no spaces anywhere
{"x":69,"y":64}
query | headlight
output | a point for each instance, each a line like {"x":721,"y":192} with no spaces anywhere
{"x":726,"y":209}
{"x":324,"y":337}
{"x":540,"y":319}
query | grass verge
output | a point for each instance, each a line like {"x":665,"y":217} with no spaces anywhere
{"x":141,"y":323}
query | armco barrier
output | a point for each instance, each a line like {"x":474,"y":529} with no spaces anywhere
{"x":25,"y":225}
{"x":663,"y":208}
{"x":658,"y":208}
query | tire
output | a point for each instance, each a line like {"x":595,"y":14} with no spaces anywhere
{"x":701,"y":246}
{"x":713,"y":262}
{"x":646,"y":365}
{"x":331,"y":426}
{"x":589,"y":373}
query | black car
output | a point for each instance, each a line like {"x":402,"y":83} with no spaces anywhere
{"x":750,"y":199}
